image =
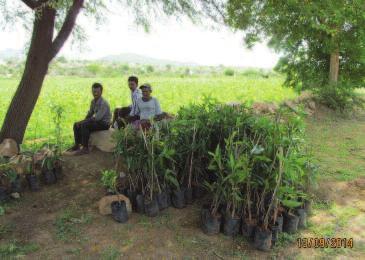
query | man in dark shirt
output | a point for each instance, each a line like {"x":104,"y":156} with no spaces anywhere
{"x":97,"y":119}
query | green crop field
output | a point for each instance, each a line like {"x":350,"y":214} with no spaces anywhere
{"x":74,"y":95}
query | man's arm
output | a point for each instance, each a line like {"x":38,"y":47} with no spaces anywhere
{"x":90,"y":112}
{"x":157,"y":107}
{"x":158,"y":113}
{"x":135,"y":112}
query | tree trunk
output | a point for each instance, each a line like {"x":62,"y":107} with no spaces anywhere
{"x":334,"y":66}
{"x":36,"y":66}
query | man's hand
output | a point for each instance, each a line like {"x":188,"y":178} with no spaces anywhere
{"x":78,"y":124}
{"x":131,"y":119}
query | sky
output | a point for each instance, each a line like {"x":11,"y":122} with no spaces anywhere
{"x":168,"y":39}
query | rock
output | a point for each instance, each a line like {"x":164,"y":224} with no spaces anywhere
{"x":103,"y":140}
{"x":291,"y":105}
{"x":15,"y":195}
{"x":311,"y":105}
{"x":9,"y":148}
{"x":234,"y":104}
{"x":41,"y":154}
{"x":264,"y":108}
{"x":105,"y":202}
{"x":20,"y":163}
{"x":304,"y":97}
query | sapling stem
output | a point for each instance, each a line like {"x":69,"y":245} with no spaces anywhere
{"x":191,"y":157}
{"x":278,"y":181}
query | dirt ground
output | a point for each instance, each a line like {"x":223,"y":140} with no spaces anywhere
{"x":62,"y":221}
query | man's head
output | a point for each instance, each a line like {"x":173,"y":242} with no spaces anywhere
{"x":97,"y":90}
{"x":132,"y":83}
{"x":146,"y":90}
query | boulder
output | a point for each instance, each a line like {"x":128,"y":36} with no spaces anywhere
{"x":8,"y":148}
{"x":311,"y":105}
{"x":305,"y":96}
{"x":105,"y":203}
{"x":234,"y":104}
{"x":103,"y":140}
{"x":264,"y":108}
{"x":290,"y":104}
{"x":41,"y":154}
{"x":15,"y":195}
{"x":20,"y":163}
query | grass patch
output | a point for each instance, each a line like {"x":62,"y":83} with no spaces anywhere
{"x":110,"y":253}
{"x":285,"y":240}
{"x":68,"y":225}
{"x":145,"y":222}
{"x":74,"y":251}
{"x":17,"y":249}
{"x":343,"y":214}
{"x":6,"y":229}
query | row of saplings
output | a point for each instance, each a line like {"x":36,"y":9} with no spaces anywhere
{"x":252,"y":169}
{"x":25,"y":170}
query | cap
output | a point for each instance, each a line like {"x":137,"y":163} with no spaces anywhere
{"x":146,"y":86}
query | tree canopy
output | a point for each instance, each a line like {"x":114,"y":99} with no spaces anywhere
{"x":307,"y":33}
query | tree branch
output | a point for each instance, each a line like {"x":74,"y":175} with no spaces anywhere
{"x":67,"y":27}
{"x":32,"y":4}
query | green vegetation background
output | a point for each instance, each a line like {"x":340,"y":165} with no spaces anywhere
{"x":74,"y":95}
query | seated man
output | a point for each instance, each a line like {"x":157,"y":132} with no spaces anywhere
{"x":145,"y":109}
{"x":121,"y":114}
{"x":97,"y":119}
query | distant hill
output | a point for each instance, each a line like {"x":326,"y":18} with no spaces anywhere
{"x":11,"y":54}
{"x":141,"y":59}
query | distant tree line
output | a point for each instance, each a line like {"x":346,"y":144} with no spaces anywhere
{"x":81,"y":68}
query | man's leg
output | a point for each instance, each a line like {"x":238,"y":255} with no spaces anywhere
{"x":123,"y":114}
{"x":87,"y":128}
{"x":77,"y":136}
{"x":115,"y":116}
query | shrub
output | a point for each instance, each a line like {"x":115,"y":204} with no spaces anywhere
{"x":109,"y":179}
{"x":251,"y":164}
{"x":229,"y":72}
{"x":340,"y":97}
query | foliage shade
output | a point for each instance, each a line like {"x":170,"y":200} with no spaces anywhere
{"x":306,"y":33}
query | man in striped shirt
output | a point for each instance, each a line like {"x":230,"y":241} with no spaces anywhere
{"x":121,"y":114}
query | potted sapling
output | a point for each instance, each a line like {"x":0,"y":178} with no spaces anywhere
{"x":57,"y":111}
{"x":248,"y":221}
{"x":109,"y":181}
{"x":165,"y":162}
{"x":48,"y":174}
{"x":290,"y":202}
{"x":211,"y":218}
{"x":119,"y":208}
{"x":301,"y":212}
{"x":234,"y":167}
{"x":188,"y":190}
{"x":32,"y":177}
{"x":57,"y":164}
{"x":251,"y":188}
{"x":3,"y":183}
{"x":130,"y":152}
{"x":152,"y":182}
{"x":15,"y":181}
{"x":263,"y":235}
{"x":150,"y":201}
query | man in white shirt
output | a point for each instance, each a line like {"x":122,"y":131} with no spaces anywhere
{"x":146,"y":108}
{"x":121,"y":114}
